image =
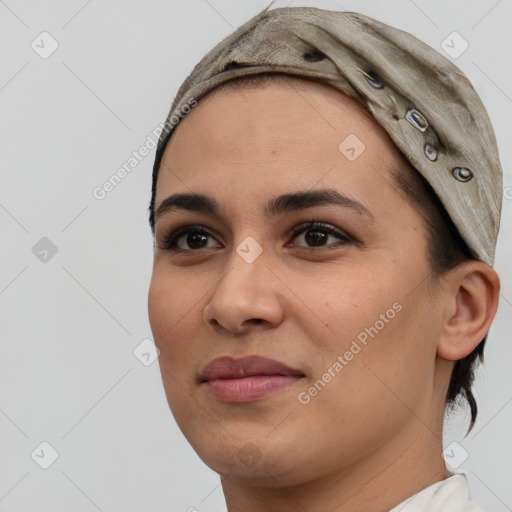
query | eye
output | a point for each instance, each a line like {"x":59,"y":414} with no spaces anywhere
{"x":187,"y":239}
{"x":316,"y":234}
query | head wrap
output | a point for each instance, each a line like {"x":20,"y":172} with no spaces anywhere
{"x":421,"y":99}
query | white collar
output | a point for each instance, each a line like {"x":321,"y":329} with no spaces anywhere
{"x":450,"y":494}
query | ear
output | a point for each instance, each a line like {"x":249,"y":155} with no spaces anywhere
{"x":472,"y":291}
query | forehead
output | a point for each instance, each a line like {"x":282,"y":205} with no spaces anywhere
{"x":276,"y":130}
{"x":308,"y":108}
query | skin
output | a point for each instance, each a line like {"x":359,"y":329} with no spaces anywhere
{"x":373,"y":435}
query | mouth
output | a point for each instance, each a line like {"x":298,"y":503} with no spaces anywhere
{"x":246,"y":379}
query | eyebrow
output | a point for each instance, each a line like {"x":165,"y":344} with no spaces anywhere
{"x":286,"y":203}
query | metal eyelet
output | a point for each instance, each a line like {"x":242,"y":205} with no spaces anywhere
{"x":431,"y":152}
{"x":314,"y":56}
{"x":462,"y":174}
{"x":234,"y":65}
{"x":416,"y":118}
{"x":374,"y":80}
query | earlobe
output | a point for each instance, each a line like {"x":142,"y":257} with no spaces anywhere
{"x":473,"y":293}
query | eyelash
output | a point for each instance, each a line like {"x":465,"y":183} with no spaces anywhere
{"x":169,"y":241}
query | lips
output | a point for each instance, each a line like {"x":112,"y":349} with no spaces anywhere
{"x":235,"y":368}
{"x":248,"y":378}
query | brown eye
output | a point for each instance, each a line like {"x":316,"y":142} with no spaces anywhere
{"x":187,"y":239}
{"x":317,"y":234}
{"x":196,"y":240}
{"x":316,"y":237}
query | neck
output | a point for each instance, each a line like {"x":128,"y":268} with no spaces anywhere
{"x":405,"y":465}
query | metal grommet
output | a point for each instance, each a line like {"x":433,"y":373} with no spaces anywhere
{"x":416,"y":118}
{"x":314,"y":56}
{"x":431,"y":152}
{"x":462,"y":174}
{"x":234,"y":65}
{"x":374,"y":80}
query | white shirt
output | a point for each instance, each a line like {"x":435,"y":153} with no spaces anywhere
{"x":449,"y":495}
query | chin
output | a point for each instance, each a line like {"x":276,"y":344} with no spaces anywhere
{"x":264,"y":462}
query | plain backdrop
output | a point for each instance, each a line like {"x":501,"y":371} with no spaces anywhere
{"x":75,"y":269}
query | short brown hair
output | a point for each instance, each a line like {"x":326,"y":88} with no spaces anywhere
{"x":446,"y":250}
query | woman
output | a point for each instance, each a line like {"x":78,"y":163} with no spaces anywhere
{"x":325,"y":221}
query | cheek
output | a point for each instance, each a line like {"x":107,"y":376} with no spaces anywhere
{"x":389,"y":359}
{"x":170,"y":303}
{"x":348,"y":299}
{"x":171,"y":310}
{"x":160,"y":308}
{"x":380,"y":330}
{"x":384,"y":381}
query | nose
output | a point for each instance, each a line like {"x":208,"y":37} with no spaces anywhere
{"x":246,"y":297}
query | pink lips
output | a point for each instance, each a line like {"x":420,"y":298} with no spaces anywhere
{"x":246,"y":379}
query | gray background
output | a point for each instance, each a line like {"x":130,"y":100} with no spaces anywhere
{"x":69,"y":324}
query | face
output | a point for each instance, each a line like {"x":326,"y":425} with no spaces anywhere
{"x":312,"y":259}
